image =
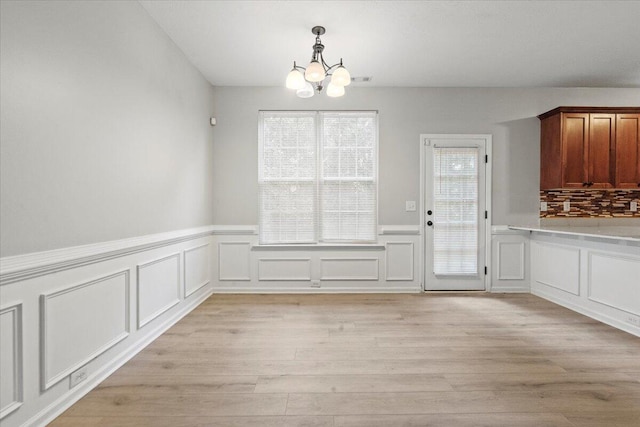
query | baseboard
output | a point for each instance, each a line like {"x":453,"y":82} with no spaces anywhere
{"x":510,"y":290}
{"x":255,"y":290}
{"x":66,"y":401}
{"x":611,"y":321}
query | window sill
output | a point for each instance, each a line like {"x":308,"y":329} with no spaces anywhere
{"x":322,"y":246}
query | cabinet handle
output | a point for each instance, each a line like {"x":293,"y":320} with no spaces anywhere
{"x":584,"y":184}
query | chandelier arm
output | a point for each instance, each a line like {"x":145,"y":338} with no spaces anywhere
{"x":332,"y":68}
{"x":324,"y":64}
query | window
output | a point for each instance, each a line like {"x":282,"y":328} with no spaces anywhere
{"x":318,"y":176}
{"x":455,"y":194}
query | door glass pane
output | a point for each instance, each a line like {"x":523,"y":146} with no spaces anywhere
{"x":455,"y":229}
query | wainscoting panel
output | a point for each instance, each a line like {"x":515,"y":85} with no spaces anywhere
{"x":81,"y":322}
{"x":158,"y":287}
{"x":196,"y":268}
{"x":608,"y":273}
{"x":614,"y":280}
{"x":284,"y":269}
{"x":234,"y":261}
{"x":349,"y":269}
{"x":10,"y":359}
{"x":389,"y":265}
{"x":510,"y":261}
{"x":399,"y":261}
{"x":556,"y":266}
{"x":75,"y":308}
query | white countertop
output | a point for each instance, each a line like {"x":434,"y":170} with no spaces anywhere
{"x":615,"y":232}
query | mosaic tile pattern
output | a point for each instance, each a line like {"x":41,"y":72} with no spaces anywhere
{"x":590,"y":203}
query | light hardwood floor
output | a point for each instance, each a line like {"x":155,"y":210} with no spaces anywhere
{"x":451,"y":359}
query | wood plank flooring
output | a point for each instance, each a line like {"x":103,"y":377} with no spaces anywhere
{"x":442,"y":359}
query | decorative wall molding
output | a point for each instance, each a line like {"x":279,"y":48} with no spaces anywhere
{"x":349,"y":269}
{"x":78,"y":312}
{"x":393,"y":261}
{"x":64,"y":321}
{"x":511,"y":272}
{"x":199,"y":275}
{"x":28,"y":266}
{"x":520,"y":262}
{"x":11,"y":359}
{"x":276,"y":269}
{"x":61,"y":404}
{"x":399,"y":230}
{"x":623,"y":293}
{"x":607,"y":279}
{"x":156,"y":296}
{"x":234,"y":261}
{"x":235,"y":230}
{"x":506,"y":230}
{"x":243,"y":265}
{"x":563,"y":273}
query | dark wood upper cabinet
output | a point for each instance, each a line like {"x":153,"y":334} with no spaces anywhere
{"x":627,"y":151}
{"x":601,"y":158}
{"x":575,"y":154}
{"x":590,"y":147}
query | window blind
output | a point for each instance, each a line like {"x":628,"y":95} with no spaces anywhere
{"x":455,"y":231}
{"x":287,"y":177}
{"x":348,"y":176}
{"x":318,"y":177}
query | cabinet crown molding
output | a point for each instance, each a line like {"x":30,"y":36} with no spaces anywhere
{"x":611,"y":110}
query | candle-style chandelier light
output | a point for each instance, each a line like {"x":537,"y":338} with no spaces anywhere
{"x":316,"y":72}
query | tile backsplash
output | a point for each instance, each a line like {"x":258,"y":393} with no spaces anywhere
{"x":590,"y":203}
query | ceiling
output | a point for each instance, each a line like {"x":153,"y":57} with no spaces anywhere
{"x":412,"y":43}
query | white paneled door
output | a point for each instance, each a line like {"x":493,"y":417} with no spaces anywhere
{"x":455,"y":218}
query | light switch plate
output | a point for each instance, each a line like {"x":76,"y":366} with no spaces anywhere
{"x":410,"y":205}
{"x":566,"y":206}
{"x":633,"y":206}
{"x":543,"y":206}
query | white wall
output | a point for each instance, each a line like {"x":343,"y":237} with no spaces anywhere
{"x":508,"y":114}
{"x":104,"y":127}
{"x":104,"y":136}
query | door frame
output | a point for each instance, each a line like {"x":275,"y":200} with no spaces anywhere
{"x":487,"y":191}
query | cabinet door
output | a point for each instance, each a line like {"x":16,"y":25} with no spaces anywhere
{"x":628,"y":150}
{"x":601,"y":154}
{"x":575,"y":135}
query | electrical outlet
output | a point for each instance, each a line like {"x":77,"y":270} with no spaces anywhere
{"x":410,"y":206}
{"x":78,"y":376}
{"x":633,"y":206}
{"x":315,"y":283}
{"x":543,"y":206}
{"x":566,"y":206}
{"x":633,"y":320}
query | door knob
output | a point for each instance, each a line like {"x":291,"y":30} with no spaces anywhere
{"x":429,"y":223}
{"x":431,"y":212}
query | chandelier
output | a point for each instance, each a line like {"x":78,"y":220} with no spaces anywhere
{"x":316,"y":72}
